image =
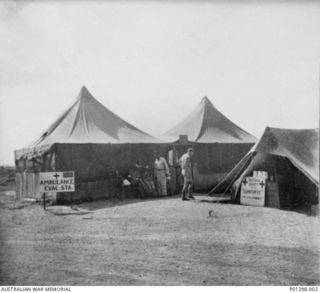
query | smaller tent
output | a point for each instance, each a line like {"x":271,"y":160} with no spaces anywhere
{"x":291,"y":157}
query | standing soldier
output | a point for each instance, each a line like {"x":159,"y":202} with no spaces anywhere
{"x":161,"y":172}
{"x":186,"y":170}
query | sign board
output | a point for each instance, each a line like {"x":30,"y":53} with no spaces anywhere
{"x":57,"y":181}
{"x":253,"y":191}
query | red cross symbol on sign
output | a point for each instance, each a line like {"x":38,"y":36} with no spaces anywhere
{"x":56,"y":175}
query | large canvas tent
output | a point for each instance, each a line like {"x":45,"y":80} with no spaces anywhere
{"x":219,"y":143}
{"x":92,"y":141}
{"x":291,"y":157}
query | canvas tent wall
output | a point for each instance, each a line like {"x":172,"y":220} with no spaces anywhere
{"x":219,"y":143}
{"x":90,"y":140}
{"x":95,"y":167}
{"x":212,"y":161}
{"x":291,"y":156}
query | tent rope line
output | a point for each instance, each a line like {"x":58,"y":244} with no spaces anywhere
{"x":232,"y":181}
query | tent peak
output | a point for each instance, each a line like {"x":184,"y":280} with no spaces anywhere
{"x":84,"y":93}
{"x":206,"y":102}
{"x":205,"y":99}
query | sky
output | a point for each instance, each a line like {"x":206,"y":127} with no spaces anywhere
{"x":151,"y":62}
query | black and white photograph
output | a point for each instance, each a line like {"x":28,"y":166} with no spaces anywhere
{"x":159,"y":143}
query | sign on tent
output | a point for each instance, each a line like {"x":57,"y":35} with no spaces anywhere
{"x":57,"y":181}
{"x":253,"y":191}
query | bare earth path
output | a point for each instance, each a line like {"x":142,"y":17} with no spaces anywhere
{"x":157,"y":242}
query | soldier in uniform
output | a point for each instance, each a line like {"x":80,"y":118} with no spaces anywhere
{"x":161,"y":172}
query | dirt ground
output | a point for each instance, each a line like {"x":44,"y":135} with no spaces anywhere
{"x":156,"y":242}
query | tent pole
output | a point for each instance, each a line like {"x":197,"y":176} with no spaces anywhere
{"x":240,"y":170}
{"x":44,"y":201}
